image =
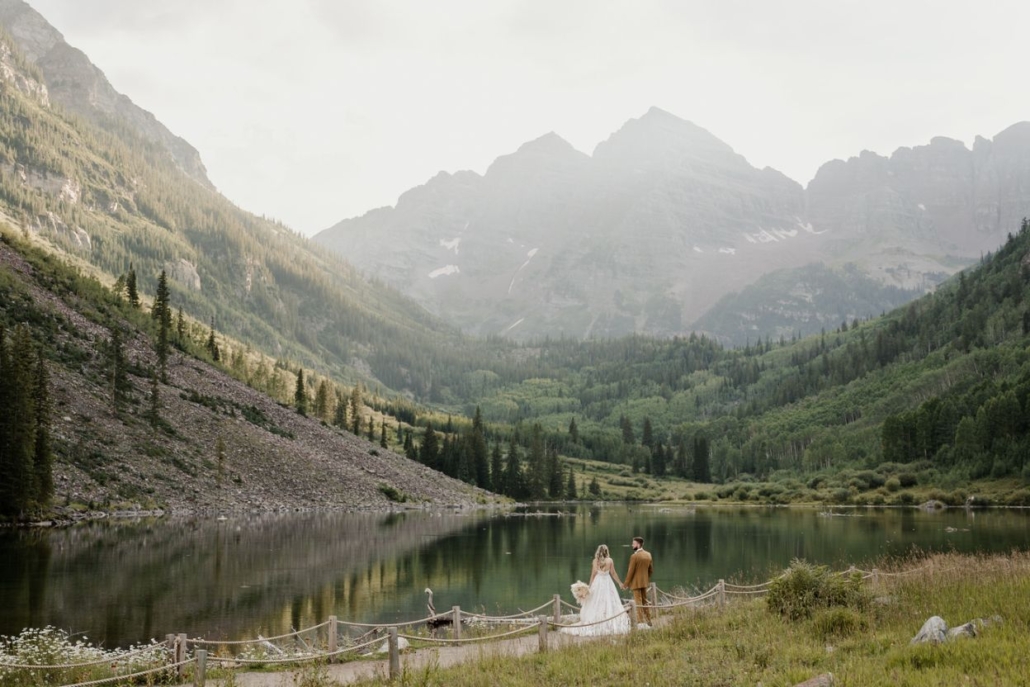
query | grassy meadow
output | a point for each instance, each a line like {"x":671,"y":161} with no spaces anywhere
{"x":747,"y":644}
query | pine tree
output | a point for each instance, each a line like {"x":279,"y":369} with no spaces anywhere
{"x":382,"y":435}
{"x":571,"y":492}
{"x":658,"y":460}
{"x":480,"y":461}
{"x":17,"y":488}
{"x":130,"y":287}
{"x":680,"y":461}
{"x":555,"y":481}
{"x":180,"y":327}
{"x":514,"y":485}
{"x":647,"y":435}
{"x":212,"y":344}
{"x":496,"y":469}
{"x":536,"y":477}
{"x":429,"y":453}
{"x":300,"y":394}
{"x":701,"y":471}
{"x":409,"y":447}
{"x":573,"y":431}
{"x":322,"y":401}
{"x":627,"y":430}
{"x":594,"y":488}
{"x":340,"y":415}
{"x":162,"y":314}
{"x":42,"y":459}
{"x":371,"y":429}
{"x":355,"y":410}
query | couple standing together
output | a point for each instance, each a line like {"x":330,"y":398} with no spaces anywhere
{"x":603,"y":602}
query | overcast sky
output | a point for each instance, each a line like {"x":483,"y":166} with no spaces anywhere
{"x":311,"y":111}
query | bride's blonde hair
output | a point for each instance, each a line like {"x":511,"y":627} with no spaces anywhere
{"x":601,"y":554}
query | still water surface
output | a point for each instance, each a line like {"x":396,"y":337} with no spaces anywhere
{"x":125,"y":582}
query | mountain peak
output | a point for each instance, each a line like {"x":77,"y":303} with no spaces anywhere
{"x":550,"y":143}
{"x":659,"y":135}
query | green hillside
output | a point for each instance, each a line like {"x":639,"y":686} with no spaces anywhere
{"x":940,"y":384}
{"x":800,"y":302}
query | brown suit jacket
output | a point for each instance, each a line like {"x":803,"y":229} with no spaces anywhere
{"x":640,"y":570}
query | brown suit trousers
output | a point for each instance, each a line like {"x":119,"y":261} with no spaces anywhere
{"x":638,"y":578}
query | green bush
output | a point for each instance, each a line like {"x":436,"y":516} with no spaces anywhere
{"x":905,"y":498}
{"x":393,"y":494}
{"x":840,"y":496}
{"x":805,"y":588}
{"x":907,"y":479}
{"x":893,"y":484}
{"x":838,"y":623}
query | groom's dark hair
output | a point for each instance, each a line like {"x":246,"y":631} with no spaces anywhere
{"x":639,"y":540}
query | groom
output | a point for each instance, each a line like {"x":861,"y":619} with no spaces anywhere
{"x":638,"y":578}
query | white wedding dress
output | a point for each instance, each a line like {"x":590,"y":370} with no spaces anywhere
{"x":603,"y":603}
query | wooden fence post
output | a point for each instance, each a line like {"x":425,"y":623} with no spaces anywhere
{"x":652,"y":600}
{"x":456,"y":611}
{"x":180,"y":651}
{"x":542,"y":619}
{"x":556,"y":608}
{"x":722,"y":593}
{"x":200,"y":674}
{"x":632,"y":614}
{"x":876,"y":575}
{"x":331,"y":640}
{"x":395,"y":654}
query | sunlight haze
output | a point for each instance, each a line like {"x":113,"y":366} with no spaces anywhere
{"x":313,"y":111}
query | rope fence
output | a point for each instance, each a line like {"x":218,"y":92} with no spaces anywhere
{"x":176,"y":647}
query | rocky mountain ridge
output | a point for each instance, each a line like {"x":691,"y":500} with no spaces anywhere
{"x":79,"y":86}
{"x":664,"y":219}
{"x":273,"y":458}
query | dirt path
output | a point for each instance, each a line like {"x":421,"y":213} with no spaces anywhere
{"x":442,"y":657}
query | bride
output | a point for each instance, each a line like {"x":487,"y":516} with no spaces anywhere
{"x":603,"y":601}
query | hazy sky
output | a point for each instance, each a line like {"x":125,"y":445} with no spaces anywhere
{"x":311,"y":111}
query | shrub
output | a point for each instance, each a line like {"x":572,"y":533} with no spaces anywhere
{"x":1018,"y":498}
{"x":838,"y":623}
{"x":905,"y":498}
{"x":840,"y":496}
{"x":702,"y":496}
{"x":392,"y":493}
{"x":907,"y":479}
{"x":805,"y":588}
{"x":893,"y":484}
{"x":725,"y":491}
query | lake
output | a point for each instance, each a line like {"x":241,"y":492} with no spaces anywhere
{"x":123,"y":581}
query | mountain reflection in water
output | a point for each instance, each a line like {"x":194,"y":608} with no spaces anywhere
{"x":123,"y":582}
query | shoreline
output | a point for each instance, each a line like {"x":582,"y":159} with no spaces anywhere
{"x":83,"y":517}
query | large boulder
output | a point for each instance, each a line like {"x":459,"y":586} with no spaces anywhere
{"x":934,"y":631}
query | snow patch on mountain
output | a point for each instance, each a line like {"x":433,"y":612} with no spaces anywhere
{"x":529,"y":257}
{"x":444,"y":271}
{"x":451,"y":245}
{"x":728,"y":251}
{"x":513,"y":325}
